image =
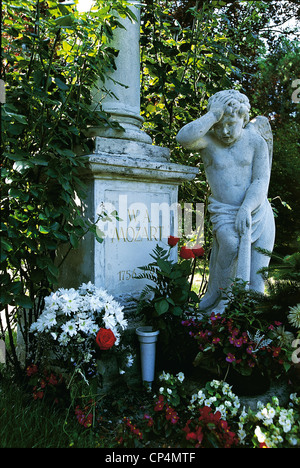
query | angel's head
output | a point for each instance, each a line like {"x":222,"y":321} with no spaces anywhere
{"x":236,"y":109}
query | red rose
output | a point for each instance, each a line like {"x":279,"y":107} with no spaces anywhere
{"x":198,"y":251}
{"x":186,"y":253}
{"x":105,"y":338}
{"x":172,"y":241}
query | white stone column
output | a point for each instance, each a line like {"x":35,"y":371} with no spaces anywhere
{"x":122,"y":99}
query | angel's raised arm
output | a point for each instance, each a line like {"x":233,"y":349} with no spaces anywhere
{"x":194,"y":135}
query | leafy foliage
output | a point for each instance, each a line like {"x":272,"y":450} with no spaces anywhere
{"x":274,"y":97}
{"x":166,"y":301}
{"x":52,"y":56}
{"x":243,"y":338}
{"x":171,"y":292}
{"x":283,"y":285}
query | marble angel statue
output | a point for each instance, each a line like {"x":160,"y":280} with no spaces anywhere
{"x":237,"y":157}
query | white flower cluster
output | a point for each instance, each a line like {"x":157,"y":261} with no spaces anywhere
{"x":71,"y":313}
{"x":274,"y":426}
{"x":219,"y":397}
{"x":278,"y":419}
{"x":167,"y":376}
{"x":172,"y":386}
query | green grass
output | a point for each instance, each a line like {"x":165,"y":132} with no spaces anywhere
{"x":25,"y":423}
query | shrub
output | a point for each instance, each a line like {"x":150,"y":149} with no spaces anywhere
{"x":52,"y":58}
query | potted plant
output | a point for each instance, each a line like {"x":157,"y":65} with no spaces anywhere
{"x":167,"y":299}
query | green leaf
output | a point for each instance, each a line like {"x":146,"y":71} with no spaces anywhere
{"x":74,"y":240}
{"x":60,"y":236}
{"x":15,"y":193}
{"x":61,"y":84}
{"x":164,"y":266}
{"x":64,"y":21}
{"x":53,"y":269}
{"x":161,"y":306}
{"x":198,"y":358}
{"x":179,"y":295}
{"x":177,"y":311}
{"x":43,"y":230}
{"x":170,"y":300}
{"x":24,"y":301}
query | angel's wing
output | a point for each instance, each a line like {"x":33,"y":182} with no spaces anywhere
{"x":262,"y":125}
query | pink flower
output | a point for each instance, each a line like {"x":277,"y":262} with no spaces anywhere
{"x":238,"y":342}
{"x":171,"y":415}
{"x":160,"y":404}
{"x":230,"y":357}
{"x":31,"y":370}
{"x":150,"y":420}
{"x":84,"y":419}
{"x":231,"y":339}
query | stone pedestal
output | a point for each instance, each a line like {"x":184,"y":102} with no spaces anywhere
{"x":137,"y":182}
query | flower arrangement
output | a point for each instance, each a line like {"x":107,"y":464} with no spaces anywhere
{"x":241,"y":337}
{"x":209,"y":431}
{"x":222,"y":341}
{"x":217,"y":395}
{"x":168,"y":292}
{"x":271,"y":426}
{"x":76,"y":327}
{"x":213,"y":417}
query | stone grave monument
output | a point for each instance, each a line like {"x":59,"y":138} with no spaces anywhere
{"x":128,"y":175}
